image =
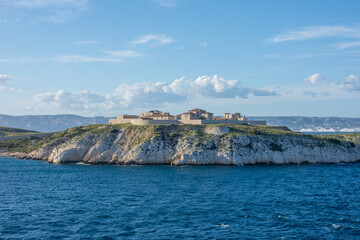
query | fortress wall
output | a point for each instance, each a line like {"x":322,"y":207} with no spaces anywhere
{"x":149,"y":122}
{"x":119,"y":121}
{"x":198,"y":121}
{"x":140,"y":121}
{"x":194,"y":121}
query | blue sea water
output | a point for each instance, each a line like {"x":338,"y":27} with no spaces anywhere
{"x":46,"y":201}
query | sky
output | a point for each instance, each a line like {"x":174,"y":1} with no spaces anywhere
{"x":104,"y":58}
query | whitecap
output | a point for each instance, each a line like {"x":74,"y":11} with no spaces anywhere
{"x":335,"y":226}
{"x":82,"y":163}
{"x":224,"y":225}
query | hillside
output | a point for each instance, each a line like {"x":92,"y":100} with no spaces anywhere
{"x":52,"y":123}
{"x":6,"y":131}
{"x":186,"y":144}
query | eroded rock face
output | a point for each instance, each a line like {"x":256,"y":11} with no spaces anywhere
{"x":215,"y":145}
{"x":217,"y":130}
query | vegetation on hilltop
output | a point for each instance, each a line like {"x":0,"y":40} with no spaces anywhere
{"x":196,"y":133}
{"x":6,"y":131}
{"x":52,"y":123}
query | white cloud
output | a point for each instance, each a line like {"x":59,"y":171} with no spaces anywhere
{"x":4,"y":78}
{"x":345,"y":45}
{"x":46,"y":3}
{"x":178,"y":86}
{"x":165,"y":3}
{"x":350,"y":83}
{"x":315,"y":79}
{"x":268,"y":91}
{"x":318,"y":32}
{"x":204,"y":91}
{"x":350,"y":87}
{"x":81,"y":58}
{"x":62,"y":16}
{"x":158,"y":39}
{"x":54,"y":11}
{"x":84,"y":100}
{"x":124,"y":96}
{"x":218,"y":87}
{"x":124,"y":54}
{"x":145,"y":94}
{"x":111,"y":56}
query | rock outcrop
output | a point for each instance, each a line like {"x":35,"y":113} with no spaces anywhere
{"x":193,"y":145}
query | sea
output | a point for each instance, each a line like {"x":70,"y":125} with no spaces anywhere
{"x":39,"y":200}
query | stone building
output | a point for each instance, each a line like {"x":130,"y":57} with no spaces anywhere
{"x":157,"y":115}
{"x":194,"y":116}
{"x":234,"y":116}
{"x":120,"y":119}
{"x":196,"y":113}
{"x":145,"y":118}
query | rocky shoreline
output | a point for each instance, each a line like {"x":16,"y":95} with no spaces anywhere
{"x":188,"y":145}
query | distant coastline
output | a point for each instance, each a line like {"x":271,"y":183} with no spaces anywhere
{"x":54,"y":123}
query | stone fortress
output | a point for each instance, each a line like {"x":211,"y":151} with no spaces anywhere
{"x":194,"y":116}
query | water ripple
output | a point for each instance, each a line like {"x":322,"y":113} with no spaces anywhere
{"x":39,"y":200}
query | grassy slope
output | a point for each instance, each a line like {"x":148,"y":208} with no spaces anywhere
{"x":165,"y":131}
{"x":6,"y":131}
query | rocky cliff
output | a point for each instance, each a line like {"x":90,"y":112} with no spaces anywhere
{"x":186,"y":144}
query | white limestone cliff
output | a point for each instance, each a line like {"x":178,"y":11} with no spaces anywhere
{"x":206,"y":145}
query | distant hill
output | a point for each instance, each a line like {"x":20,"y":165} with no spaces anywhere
{"x":315,"y":124}
{"x":49,"y":123}
{"x":6,"y":131}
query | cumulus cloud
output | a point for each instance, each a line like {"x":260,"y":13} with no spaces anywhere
{"x":148,"y":94}
{"x":84,"y":100}
{"x":124,"y":96}
{"x":219,"y":87}
{"x":4,"y":78}
{"x":350,"y":83}
{"x":315,"y":79}
{"x":145,"y":94}
{"x":207,"y":90}
{"x":318,"y":32}
{"x":158,"y":39}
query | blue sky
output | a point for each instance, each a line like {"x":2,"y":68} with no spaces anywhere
{"x":93,"y":57}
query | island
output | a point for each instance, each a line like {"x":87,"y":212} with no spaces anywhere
{"x":184,"y":144}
